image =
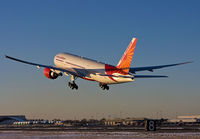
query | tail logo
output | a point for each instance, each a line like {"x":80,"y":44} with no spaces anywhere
{"x":125,"y":61}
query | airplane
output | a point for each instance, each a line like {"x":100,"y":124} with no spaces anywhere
{"x":92,"y":70}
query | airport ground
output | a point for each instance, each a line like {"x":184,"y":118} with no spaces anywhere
{"x":13,"y":126}
{"x":99,"y":135}
{"x":99,"y":132}
{"x":98,"y":128}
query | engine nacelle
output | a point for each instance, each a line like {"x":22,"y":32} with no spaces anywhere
{"x":50,"y":74}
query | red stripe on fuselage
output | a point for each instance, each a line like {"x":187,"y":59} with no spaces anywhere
{"x":112,"y":69}
{"x":87,"y":79}
{"x":60,"y":57}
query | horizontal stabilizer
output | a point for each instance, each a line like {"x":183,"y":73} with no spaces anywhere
{"x":135,"y":76}
{"x":150,"y":76}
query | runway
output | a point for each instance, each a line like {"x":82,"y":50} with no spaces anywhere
{"x":98,"y":135}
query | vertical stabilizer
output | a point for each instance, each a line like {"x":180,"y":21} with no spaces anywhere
{"x":126,"y":59}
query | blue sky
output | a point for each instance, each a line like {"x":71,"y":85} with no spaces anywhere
{"x":167,"y":32}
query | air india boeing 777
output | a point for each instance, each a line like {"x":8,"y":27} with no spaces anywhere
{"x":88,"y":69}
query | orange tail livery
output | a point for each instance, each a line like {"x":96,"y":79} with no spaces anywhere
{"x":126,"y":59}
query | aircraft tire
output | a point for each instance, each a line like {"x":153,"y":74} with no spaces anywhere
{"x":72,"y":86}
{"x":76,"y":87}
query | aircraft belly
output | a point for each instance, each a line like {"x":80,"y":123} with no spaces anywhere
{"x":102,"y":79}
{"x":113,"y":80}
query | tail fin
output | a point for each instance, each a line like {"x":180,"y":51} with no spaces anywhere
{"x":126,"y":59}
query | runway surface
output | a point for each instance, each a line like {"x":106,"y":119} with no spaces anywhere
{"x":97,"y":135}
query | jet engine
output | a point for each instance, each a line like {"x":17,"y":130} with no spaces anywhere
{"x":50,"y":74}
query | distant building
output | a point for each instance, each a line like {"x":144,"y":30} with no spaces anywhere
{"x":131,"y":121}
{"x":186,"y":119}
{"x":124,"y":122}
{"x":38,"y":122}
{"x":10,"y":119}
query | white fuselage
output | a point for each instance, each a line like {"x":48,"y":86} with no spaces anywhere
{"x":87,"y":69}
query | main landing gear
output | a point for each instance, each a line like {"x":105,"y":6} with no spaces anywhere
{"x":72,"y":84}
{"x":104,"y":86}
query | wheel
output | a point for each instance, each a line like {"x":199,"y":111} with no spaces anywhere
{"x":100,"y":85}
{"x":72,"y":85}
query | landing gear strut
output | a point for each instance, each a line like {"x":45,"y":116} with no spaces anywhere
{"x":104,"y":86}
{"x":72,"y":84}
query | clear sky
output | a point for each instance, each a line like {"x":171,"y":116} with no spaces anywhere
{"x":167,"y":31}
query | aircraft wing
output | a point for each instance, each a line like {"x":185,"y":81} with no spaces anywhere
{"x":151,"y":68}
{"x":40,"y":65}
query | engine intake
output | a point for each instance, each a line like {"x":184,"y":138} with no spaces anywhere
{"x":50,"y":74}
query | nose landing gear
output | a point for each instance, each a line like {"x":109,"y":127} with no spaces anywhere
{"x":104,"y":86}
